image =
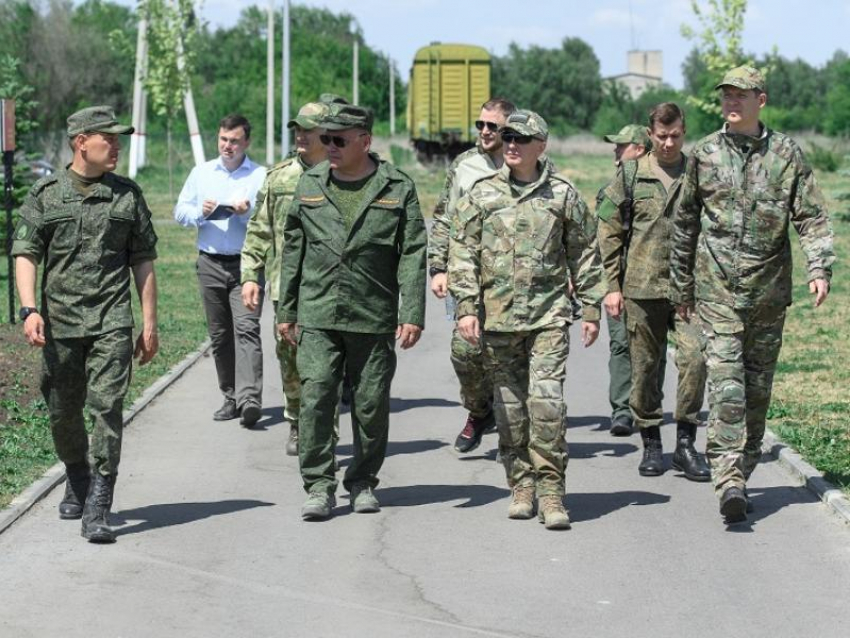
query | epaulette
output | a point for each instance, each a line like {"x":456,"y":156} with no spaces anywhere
{"x":44,"y":182}
{"x":127,"y":182}
{"x":282,"y":164}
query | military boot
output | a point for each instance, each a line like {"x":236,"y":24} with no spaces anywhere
{"x":96,"y":510}
{"x":292,"y":443}
{"x":78,"y":477}
{"x":552,"y":512}
{"x":522,"y":502}
{"x":733,"y":505}
{"x":686,"y":459}
{"x":652,"y":463}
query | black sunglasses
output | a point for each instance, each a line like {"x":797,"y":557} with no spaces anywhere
{"x":337,"y":140}
{"x":516,"y":138}
{"x":491,"y":126}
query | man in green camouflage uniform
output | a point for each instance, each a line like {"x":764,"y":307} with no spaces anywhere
{"x":264,"y":241}
{"x":744,"y":186}
{"x":354,"y":242}
{"x":469,"y":362}
{"x":91,"y":228}
{"x":636,"y":214}
{"x":630,"y":144}
{"x":515,"y":237}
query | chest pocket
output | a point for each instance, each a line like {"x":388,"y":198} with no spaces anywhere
{"x":769,"y":220}
{"x":381,"y":221}
{"x":119,"y":228}
{"x":62,"y":230}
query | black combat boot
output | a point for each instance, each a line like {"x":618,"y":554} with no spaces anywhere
{"x":96,"y":511}
{"x":733,"y":505}
{"x":686,"y":458}
{"x":652,"y":463}
{"x":77,"y":481}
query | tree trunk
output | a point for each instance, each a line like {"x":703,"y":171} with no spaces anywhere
{"x":170,"y":165}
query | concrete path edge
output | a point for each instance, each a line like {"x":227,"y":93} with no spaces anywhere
{"x":24,"y":501}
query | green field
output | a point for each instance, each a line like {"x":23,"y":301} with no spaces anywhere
{"x":809,"y":410}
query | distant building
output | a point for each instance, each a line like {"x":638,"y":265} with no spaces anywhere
{"x":645,"y":70}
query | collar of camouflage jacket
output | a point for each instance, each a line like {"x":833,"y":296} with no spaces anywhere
{"x":743,"y":142}
{"x":545,"y":168}
{"x":102,"y":189}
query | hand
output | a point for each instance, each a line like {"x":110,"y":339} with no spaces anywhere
{"x":147,"y":345}
{"x":251,"y":295}
{"x":589,"y":332}
{"x":819,"y":288}
{"x":208,"y":206}
{"x":241,"y":207}
{"x":407,"y":334}
{"x":614,"y":304}
{"x":469,"y":328}
{"x":440,"y":285}
{"x":685,"y":312}
{"x":34,"y":330}
{"x":289,"y":332}
{"x":571,"y":287}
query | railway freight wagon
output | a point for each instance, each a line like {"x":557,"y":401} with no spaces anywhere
{"x":448,"y":85}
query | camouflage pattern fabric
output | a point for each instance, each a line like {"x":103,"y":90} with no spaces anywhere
{"x":529,"y":368}
{"x":369,"y":280}
{"x":470,"y":366}
{"x":730,"y":243}
{"x":741,"y":350}
{"x":512,"y":250}
{"x":91,"y":372}
{"x":648,"y":321}
{"x":88,"y":245}
{"x":619,"y":367}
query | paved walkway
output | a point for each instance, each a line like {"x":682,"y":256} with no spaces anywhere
{"x":211,"y":543}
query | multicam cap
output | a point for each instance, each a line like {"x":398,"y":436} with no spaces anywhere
{"x":309,"y":116}
{"x":332,"y":98}
{"x":743,"y":77}
{"x":345,"y":116}
{"x":527,"y":123}
{"x":96,"y":119}
{"x":630,"y":134}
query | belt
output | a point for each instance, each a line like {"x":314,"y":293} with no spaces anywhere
{"x":217,"y":257}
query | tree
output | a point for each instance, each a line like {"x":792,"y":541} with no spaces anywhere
{"x":837,"y":119}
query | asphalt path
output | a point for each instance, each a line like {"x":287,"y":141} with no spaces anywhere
{"x":211,"y":542}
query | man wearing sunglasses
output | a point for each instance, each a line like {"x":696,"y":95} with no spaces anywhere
{"x":476,"y":388}
{"x":631,"y":143}
{"x":515,"y":237}
{"x":352,"y":281}
{"x":264,"y":240}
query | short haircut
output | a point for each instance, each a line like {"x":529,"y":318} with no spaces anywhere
{"x":234,"y":120}
{"x":666,"y":113}
{"x":499,"y":104}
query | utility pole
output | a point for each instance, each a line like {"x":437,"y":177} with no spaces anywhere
{"x":355,"y":94}
{"x":270,"y":86}
{"x":284,"y":84}
{"x":392,"y":96}
{"x":139,"y":97}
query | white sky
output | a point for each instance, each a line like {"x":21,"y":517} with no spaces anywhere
{"x":808,"y":29}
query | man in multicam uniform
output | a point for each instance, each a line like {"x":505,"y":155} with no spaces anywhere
{"x":264,"y":241}
{"x":646,"y":191}
{"x":476,"y":387}
{"x":91,"y":228}
{"x":515,"y":237}
{"x":631,"y":143}
{"x":731,"y":264}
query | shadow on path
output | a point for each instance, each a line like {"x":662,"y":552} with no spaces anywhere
{"x":589,"y":506}
{"x":604,"y":448}
{"x":393,"y":448}
{"x":400,"y":405}
{"x":269,"y":417}
{"x":168,"y":514}
{"x":412,"y":495}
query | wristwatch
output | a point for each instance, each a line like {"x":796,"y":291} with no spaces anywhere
{"x":436,"y":271}
{"x":26,"y":311}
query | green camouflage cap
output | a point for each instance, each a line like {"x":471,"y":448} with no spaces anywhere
{"x":332,"y":98}
{"x":309,"y":116}
{"x":743,"y":77}
{"x":345,"y":116}
{"x":96,"y":119}
{"x":630,"y":134}
{"x":527,"y":123}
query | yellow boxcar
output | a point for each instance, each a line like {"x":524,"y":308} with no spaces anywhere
{"x":448,"y":85}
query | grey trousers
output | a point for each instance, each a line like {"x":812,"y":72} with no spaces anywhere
{"x":234,"y":330}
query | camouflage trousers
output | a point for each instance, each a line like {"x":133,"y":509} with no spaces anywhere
{"x":288,"y":376}
{"x":741,"y":351}
{"x":91,"y":372}
{"x":648,"y":321}
{"x":476,"y":386}
{"x":528,"y":371}
{"x":619,"y":367}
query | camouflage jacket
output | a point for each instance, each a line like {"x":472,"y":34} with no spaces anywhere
{"x":462,"y":173}
{"x":351,"y":281}
{"x":647,"y":235}
{"x":511,"y":250}
{"x":730,"y":242}
{"x":88,"y":245}
{"x":264,"y":235}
